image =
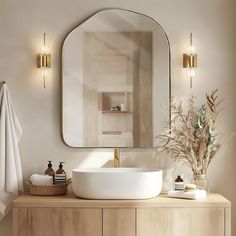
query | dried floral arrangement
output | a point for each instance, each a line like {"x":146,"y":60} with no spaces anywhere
{"x":193,"y":139}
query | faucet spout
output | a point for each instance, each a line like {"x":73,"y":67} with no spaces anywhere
{"x":116,"y":157}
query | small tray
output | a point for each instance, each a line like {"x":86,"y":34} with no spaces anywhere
{"x":196,"y":194}
{"x":48,"y":190}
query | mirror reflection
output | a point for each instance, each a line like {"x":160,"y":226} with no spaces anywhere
{"x":115,"y":81}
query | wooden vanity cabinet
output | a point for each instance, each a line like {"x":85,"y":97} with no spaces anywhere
{"x":161,"y":216}
{"x":119,"y":222}
{"x":181,"y":222}
{"x":37,"y":221}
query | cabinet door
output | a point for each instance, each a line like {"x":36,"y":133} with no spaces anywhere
{"x":57,"y":221}
{"x":118,"y":222}
{"x":180,"y":222}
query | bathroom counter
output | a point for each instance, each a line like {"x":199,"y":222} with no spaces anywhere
{"x":69,"y":215}
{"x":70,"y":200}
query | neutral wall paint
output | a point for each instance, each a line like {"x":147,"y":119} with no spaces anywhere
{"x":22,"y":24}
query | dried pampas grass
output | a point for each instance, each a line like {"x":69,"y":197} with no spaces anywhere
{"x":192,"y":136}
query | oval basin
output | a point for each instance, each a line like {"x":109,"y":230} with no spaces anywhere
{"x":117,"y":183}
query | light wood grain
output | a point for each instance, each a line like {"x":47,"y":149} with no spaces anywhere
{"x":164,"y":216}
{"x":227,"y":221}
{"x":70,"y":200}
{"x":118,"y":222}
{"x":57,"y":221}
{"x":180,"y":222}
{"x":143,"y":104}
{"x":90,"y":95}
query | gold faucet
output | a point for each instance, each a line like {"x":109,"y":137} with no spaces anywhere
{"x":116,"y":157}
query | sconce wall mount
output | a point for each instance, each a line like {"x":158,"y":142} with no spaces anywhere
{"x":189,"y":60}
{"x":43,"y":60}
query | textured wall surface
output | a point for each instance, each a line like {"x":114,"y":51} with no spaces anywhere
{"x":22,"y":24}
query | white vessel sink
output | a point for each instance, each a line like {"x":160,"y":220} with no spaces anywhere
{"x":117,"y":183}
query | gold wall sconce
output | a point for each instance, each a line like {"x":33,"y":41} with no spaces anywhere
{"x":44,"y":60}
{"x":190,"y":60}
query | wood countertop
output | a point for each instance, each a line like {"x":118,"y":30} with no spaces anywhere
{"x":71,"y":201}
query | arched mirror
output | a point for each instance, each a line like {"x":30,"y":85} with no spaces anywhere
{"x":115,"y":81}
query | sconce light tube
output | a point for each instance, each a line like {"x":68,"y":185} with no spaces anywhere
{"x":44,"y":59}
{"x":190,"y":60}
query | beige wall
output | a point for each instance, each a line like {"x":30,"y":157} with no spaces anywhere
{"x":22,"y":24}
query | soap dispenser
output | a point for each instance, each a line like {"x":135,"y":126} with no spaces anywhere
{"x":60,"y":170}
{"x":60,"y":175}
{"x":49,"y":170}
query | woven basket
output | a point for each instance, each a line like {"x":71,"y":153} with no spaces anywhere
{"x":48,"y":190}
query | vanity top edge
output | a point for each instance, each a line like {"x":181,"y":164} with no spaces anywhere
{"x":70,"y":200}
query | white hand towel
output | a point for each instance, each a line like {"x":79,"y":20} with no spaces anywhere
{"x":41,"y":179}
{"x":11,"y":181}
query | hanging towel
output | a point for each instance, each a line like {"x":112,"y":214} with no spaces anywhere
{"x":11,"y":181}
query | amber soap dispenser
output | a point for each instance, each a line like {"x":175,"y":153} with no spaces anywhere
{"x":49,"y":170}
{"x":60,"y":175}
